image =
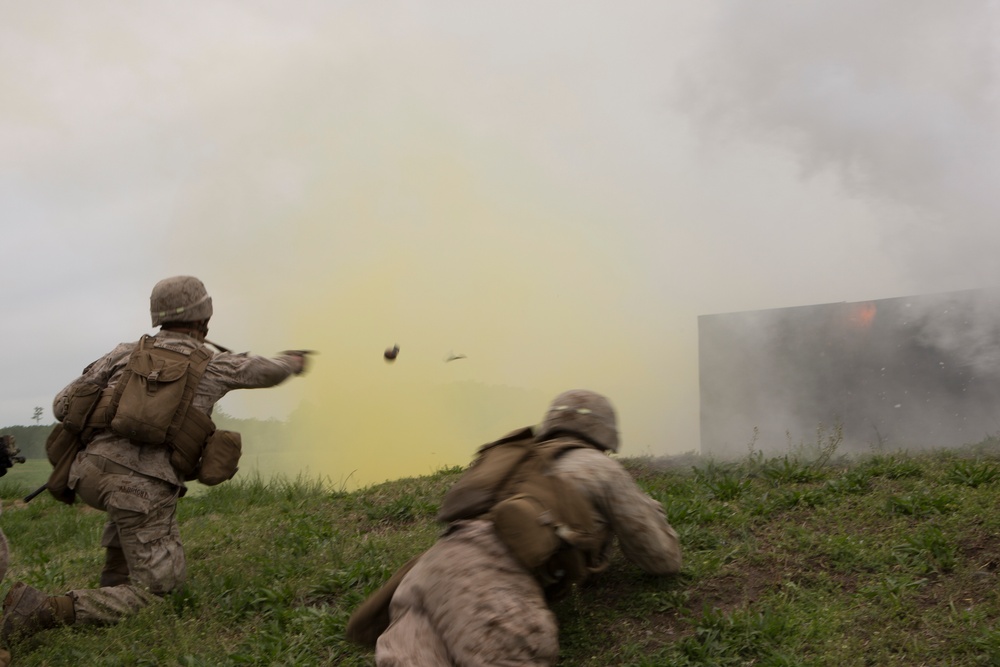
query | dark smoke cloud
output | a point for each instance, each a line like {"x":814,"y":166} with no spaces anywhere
{"x":899,"y":102}
{"x":907,"y":372}
{"x":898,"y":99}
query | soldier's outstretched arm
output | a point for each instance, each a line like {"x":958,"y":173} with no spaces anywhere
{"x":250,"y":371}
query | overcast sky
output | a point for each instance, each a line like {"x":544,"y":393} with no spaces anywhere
{"x":557,"y":190}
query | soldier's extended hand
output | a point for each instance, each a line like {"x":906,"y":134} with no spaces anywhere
{"x":299,"y":360}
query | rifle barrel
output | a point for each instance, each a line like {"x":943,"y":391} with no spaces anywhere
{"x":34,"y":493}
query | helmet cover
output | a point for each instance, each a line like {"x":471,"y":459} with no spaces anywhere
{"x":179,"y":299}
{"x":584,"y":413}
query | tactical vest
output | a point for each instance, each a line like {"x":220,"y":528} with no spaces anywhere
{"x":547,"y":523}
{"x":150,"y":405}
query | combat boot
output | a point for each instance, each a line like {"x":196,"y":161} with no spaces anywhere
{"x":27,"y":610}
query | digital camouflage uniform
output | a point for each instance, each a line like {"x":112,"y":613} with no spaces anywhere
{"x":4,"y":555}
{"x":4,"y":560}
{"x":467,"y":602}
{"x":138,"y":487}
{"x":9,"y":455}
{"x":136,"y":484}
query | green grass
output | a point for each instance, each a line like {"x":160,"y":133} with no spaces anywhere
{"x":889,"y":559}
{"x":24,"y":476}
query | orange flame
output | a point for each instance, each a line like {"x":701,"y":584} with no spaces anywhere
{"x":862,"y":314}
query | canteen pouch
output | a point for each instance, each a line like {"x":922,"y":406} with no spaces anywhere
{"x":221,"y":457}
{"x":60,"y":440}
{"x":100,"y":417}
{"x":527,"y":528}
{"x":61,"y":448}
{"x":188,"y":444}
{"x":79,"y":406}
{"x":549,"y":529}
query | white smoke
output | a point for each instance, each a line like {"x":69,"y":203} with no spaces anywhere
{"x":899,"y":99}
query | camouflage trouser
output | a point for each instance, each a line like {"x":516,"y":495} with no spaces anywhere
{"x":4,"y":555}
{"x":4,"y":558}
{"x":467,"y":603}
{"x":145,"y":558}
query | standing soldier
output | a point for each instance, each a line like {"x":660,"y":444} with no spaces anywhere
{"x":133,"y":466}
{"x":478,"y":596}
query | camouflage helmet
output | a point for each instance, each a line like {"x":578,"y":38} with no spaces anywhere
{"x":583,"y":413}
{"x":179,"y":299}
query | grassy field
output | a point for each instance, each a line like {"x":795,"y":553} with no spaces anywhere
{"x":28,"y":475}
{"x":886,"y":559}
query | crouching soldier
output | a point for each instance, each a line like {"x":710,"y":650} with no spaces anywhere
{"x":133,"y":428}
{"x":536,"y":513}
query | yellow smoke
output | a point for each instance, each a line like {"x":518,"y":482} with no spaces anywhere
{"x":420,"y":249}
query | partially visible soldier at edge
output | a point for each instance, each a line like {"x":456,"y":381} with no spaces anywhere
{"x":9,"y":455}
{"x":138,"y":485}
{"x":468,"y":601}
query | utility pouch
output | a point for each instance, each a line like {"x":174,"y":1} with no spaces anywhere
{"x":549,"y":528}
{"x":527,"y":528}
{"x":543,"y":519}
{"x":188,"y":444}
{"x":152,"y":395}
{"x":221,"y":458}
{"x":80,"y":405}
{"x":100,"y":417}
{"x":60,"y":440}
{"x":61,"y":448}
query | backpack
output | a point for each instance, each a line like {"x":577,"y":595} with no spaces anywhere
{"x":545,"y":520}
{"x":151,"y":404}
{"x":152,"y":397}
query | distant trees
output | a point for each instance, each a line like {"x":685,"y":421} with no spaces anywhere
{"x":258,"y":434}
{"x":29,"y":439}
{"x":38,"y":415}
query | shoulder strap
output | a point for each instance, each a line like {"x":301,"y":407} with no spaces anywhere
{"x":119,"y":389}
{"x":551,"y":450}
{"x":197,"y":364}
{"x":492,"y":471}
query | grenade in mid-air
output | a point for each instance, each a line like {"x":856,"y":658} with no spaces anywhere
{"x":391,"y":353}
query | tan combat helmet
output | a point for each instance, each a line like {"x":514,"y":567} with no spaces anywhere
{"x":179,"y":299}
{"x":584,"y":413}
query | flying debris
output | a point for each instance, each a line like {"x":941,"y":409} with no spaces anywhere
{"x":391,"y":353}
{"x":452,"y":357}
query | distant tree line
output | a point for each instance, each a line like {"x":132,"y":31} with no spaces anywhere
{"x":29,"y":439}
